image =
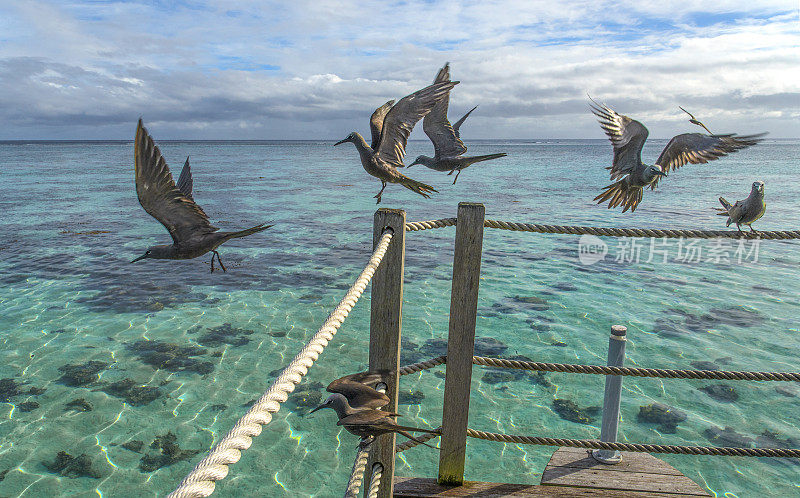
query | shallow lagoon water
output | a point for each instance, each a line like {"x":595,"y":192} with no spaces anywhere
{"x":70,"y":296}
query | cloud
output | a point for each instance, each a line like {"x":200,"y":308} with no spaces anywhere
{"x":316,"y":69}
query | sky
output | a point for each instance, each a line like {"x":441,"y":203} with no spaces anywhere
{"x":316,"y":69}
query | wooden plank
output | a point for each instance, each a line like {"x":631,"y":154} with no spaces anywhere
{"x":573,"y":467}
{"x":624,"y":481}
{"x":416,"y":487}
{"x":631,"y":462}
{"x":386,"y":317}
{"x":461,"y":341}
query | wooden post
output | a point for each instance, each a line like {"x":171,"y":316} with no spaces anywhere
{"x":612,"y":396}
{"x":384,"y":333}
{"x":461,"y":342}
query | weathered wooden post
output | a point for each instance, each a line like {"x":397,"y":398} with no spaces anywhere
{"x":461,"y":342}
{"x":384,"y":332}
{"x":613,"y":396}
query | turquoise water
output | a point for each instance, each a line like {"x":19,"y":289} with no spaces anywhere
{"x":69,"y":296}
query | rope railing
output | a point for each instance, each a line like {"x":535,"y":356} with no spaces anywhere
{"x":637,"y":447}
{"x":375,"y":480}
{"x":410,"y":443}
{"x":214,"y":467}
{"x":662,"y":373}
{"x":357,"y":474}
{"x":415,"y":226}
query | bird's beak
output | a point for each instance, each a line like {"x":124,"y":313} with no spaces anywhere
{"x":661,"y":173}
{"x":412,"y":164}
{"x":139,"y":258}
{"x":340,"y":142}
{"x":317,"y":408}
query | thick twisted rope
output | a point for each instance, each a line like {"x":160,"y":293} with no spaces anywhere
{"x":642,"y":448}
{"x":662,"y":373}
{"x":611,"y":232}
{"x":375,"y":480}
{"x":357,"y":474}
{"x":636,"y":372}
{"x":200,"y":481}
{"x":410,"y":443}
{"x":423,"y":365}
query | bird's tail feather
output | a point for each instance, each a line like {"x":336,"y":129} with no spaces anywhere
{"x":488,"y":157}
{"x":409,"y":436}
{"x":421,"y":188}
{"x":621,"y":194}
{"x":727,"y":205}
{"x":245,"y":233}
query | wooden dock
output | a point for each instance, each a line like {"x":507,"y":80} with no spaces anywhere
{"x":572,"y":472}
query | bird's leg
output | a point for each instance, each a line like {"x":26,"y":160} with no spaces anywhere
{"x":219,"y":260}
{"x":212,"y":260}
{"x":450,"y":172}
{"x":739,"y":228}
{"x":378,"y":196}
{"x":456,"y":178}
{"x":753,"y":230}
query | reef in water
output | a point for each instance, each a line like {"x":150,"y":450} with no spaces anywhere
{"x":79,"y":405}
{"x":728,"y":437}
{"x":132,"y":392}
{"x":721,"y":392}
{"x":666,"y":416}
{"x":222,"y":334}
{"x":81,"y":374}
{"x":569,"y":410}
{"x":10,"y":388}
{"x":73,"y":467}
{"x":169,"y":453}
{"x":173,"y":357}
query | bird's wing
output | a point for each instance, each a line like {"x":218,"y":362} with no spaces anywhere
{"x":698,"y":148}
{"x":370,"y":377}
{"x":159,"y":195}
{"x":401,"y":118}
{"x":376,"y":123}
{"x":365,"y":417}
{"x":438,"y":128}
{"x":358,"y":395}
{"x":627,"y":136}
{"x":185,"y":181}
{"x":458,"y":123}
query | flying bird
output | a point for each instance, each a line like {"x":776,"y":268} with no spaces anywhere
{"x":390,"y":125}
{"x":174,"y":207}
{"x":631,"y":176}
{"x":747,"y":211}
{"x":448,"y":148}
{"x":693,"y":120}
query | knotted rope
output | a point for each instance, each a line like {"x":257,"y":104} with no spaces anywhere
{"x":214,"y":467}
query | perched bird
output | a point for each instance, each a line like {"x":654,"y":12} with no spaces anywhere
{"x":632,"y":175}
{"x":366,"y":422}
{"x":694,"y":121}
{"x":358,"y":391}
{"x":447,"y":145}
{"x":172,"y":205}
{"x":747,"y":211}
{"x":390,"y":125}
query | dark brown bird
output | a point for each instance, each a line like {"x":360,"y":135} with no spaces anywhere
{"x":391,"y":124}
{"x":367,"y":422}
{"x":448,"y":148}
{"x":633,"y":176}
{"x":173,"y":206}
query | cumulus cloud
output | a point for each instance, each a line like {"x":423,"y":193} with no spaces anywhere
{"x":316,"y":69}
